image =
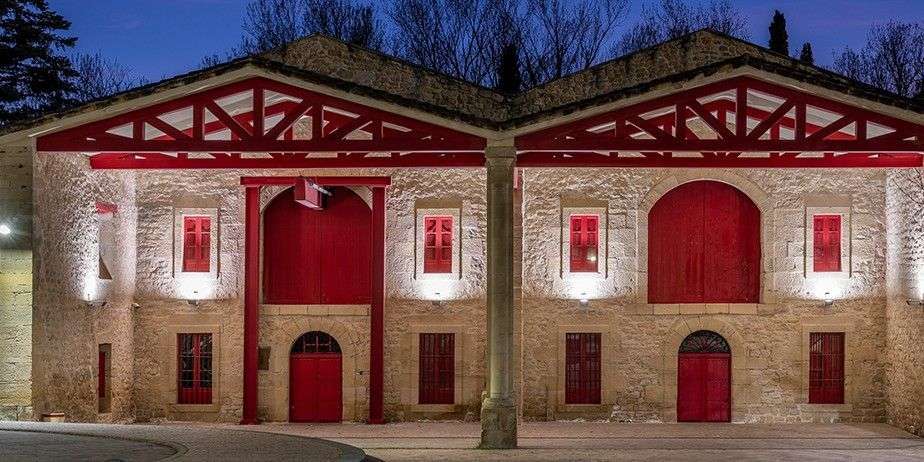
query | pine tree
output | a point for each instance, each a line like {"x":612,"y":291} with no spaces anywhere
{"x":779,"y":38}
{"x":35,"y":76}
{"x":509,"y":79}
{"x":807,"y":57}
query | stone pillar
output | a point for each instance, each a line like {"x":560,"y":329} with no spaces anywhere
{"x":498,"y":410}
{"x":377,"y":314}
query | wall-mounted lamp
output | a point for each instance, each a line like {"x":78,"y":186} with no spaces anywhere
{"x":437,"y":302}
{"x":95,"y":303}
{"x":194,"y":301}
{"x":828,"y":300}
{"x":583,"y":302}
{"x":5,"y":229}
{"x":917,"y":303}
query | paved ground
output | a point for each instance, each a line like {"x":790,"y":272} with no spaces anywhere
{"x":33,"y":441}
{"x":589,"y":441}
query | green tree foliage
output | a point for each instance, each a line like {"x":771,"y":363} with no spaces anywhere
{"x":35,"y":74}
{"x":779,"y":38}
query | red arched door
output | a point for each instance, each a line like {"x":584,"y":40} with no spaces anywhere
{"x":315,"y":379}
{"x":704,"y":246}
{"x":704,"y":378}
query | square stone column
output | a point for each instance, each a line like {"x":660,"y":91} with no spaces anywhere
{"x":498,"y":410}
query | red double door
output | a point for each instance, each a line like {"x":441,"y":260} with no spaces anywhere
{"x":315,"y":387}
{"x":704,"y":387}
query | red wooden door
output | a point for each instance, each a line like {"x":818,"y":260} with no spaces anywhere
{"x":315,"y":388}
{"x":704,"y":246}
{"x":704,"y":387}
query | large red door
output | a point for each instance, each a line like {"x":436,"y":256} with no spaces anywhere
{"x":704,"y":387}
{"x":315,"y":387}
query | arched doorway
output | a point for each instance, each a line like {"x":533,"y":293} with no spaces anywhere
{"x":704,"y":245}
{"x":704,"y":378}
{"x":315,"y":379}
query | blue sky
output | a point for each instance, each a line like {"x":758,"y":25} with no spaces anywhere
{"x":161,"y":38}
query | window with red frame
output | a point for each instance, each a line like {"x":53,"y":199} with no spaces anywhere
{"x":584,"y":243}
{"x":438,"y":244}
{"x":826,"y":368}
{"x":194,"y":368}
{"x":437,"y":369}
{"x":827,"y":243}
{"x":196,"y":244}
{"x":582,"y":368}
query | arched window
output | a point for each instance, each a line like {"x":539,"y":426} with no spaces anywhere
{"x":704,"y":246}
{"x":318,"y":256}
{"x":316,"y":342}
{"x":704,"y":341}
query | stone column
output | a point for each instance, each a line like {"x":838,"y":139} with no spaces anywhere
{"x":498,"y":410}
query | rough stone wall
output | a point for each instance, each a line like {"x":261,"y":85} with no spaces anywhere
{"x":67,"y":330}
{"x":641,"y":340}
{"x":16,"y":283}
{"x":905,"y":323}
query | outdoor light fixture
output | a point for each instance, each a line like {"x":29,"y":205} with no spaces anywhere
{"x":917,"y":303}
{"x":583,"y":302}
{"x":829,"y":300}
{"x":437,"y":302}
{"x":5,"y":229}
{"x":95,"y":303}
{"x":194,"y":301}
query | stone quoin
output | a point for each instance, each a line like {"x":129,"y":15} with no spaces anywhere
{"x":704,"y":230}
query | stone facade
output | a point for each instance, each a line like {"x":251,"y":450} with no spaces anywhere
{"x":904,"y":321}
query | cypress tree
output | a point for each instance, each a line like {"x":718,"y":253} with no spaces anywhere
{"x":35,"y":76}
{"x":779,"y":38}
{"x":509,"y":79}
{"x":807,"y":57}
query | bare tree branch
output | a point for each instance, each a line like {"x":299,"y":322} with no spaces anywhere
{"x":892,"y":59}
{"x":98,"y":77}
{"x":670,"y":19}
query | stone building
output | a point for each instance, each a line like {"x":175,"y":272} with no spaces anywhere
{"x":703,"y":230}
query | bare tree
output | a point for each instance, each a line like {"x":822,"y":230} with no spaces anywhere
{"x":669,"y":19}
{"x":563,"y":37}
{"x":892,"y":59}
{"x":271,"y":24}
{"x":98,"y":77}
{"x":467,"y":38}
{"x":461,"y":38}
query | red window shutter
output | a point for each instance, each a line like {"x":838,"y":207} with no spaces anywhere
{"x":827,"y":243}
{"x":437,"y":369}
{"x":826,"y":368}
{"x":194,"y":368}
{"x":583,"y":247}
{"x":438,"y":244}
{"x":582,"y":368}
{"x":196,"y":244}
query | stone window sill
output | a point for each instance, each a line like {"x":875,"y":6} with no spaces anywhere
{"x":697,"y":308}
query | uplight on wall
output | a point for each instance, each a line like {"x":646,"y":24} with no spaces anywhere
{"x":5,"y":229}
{"x":828,"y":299}
{"x":916,"y":303}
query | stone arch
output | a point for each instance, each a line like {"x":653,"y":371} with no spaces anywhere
{"x":354,"y":355}
{"x":670,"y":349}
{"x":757,"y":195}
{"x":268,"y":193}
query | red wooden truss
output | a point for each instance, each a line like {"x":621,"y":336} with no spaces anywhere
{"x":262,"y":123}
{"x":738,"y":122}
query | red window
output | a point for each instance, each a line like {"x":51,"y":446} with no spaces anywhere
{"x":438,"y":245}
{"x":826,"y":368}
{"x":584,"y":243}
{"x":437,"y":369}
{"x":827,"y":232}
{"x":194,"y":368}
{"x":196,"y":244}
{"x":102,"y":371}
{"x":582,"y":368}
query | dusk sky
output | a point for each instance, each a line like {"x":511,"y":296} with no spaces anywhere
{"x":161,"y":38}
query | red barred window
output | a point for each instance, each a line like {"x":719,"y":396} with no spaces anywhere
{"x":437,"y":369}
{"x":584,"y":243}
{"x":438,"y":244}
{"x":196,"y":244}
{"x":827,"y":245}
{"x":194,"y":368}
{"x":582,"y":368}
{"x":826,"y":368}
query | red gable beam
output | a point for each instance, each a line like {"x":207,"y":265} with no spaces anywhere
{"x":737,"y":132}
{"x":255,"y":124}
